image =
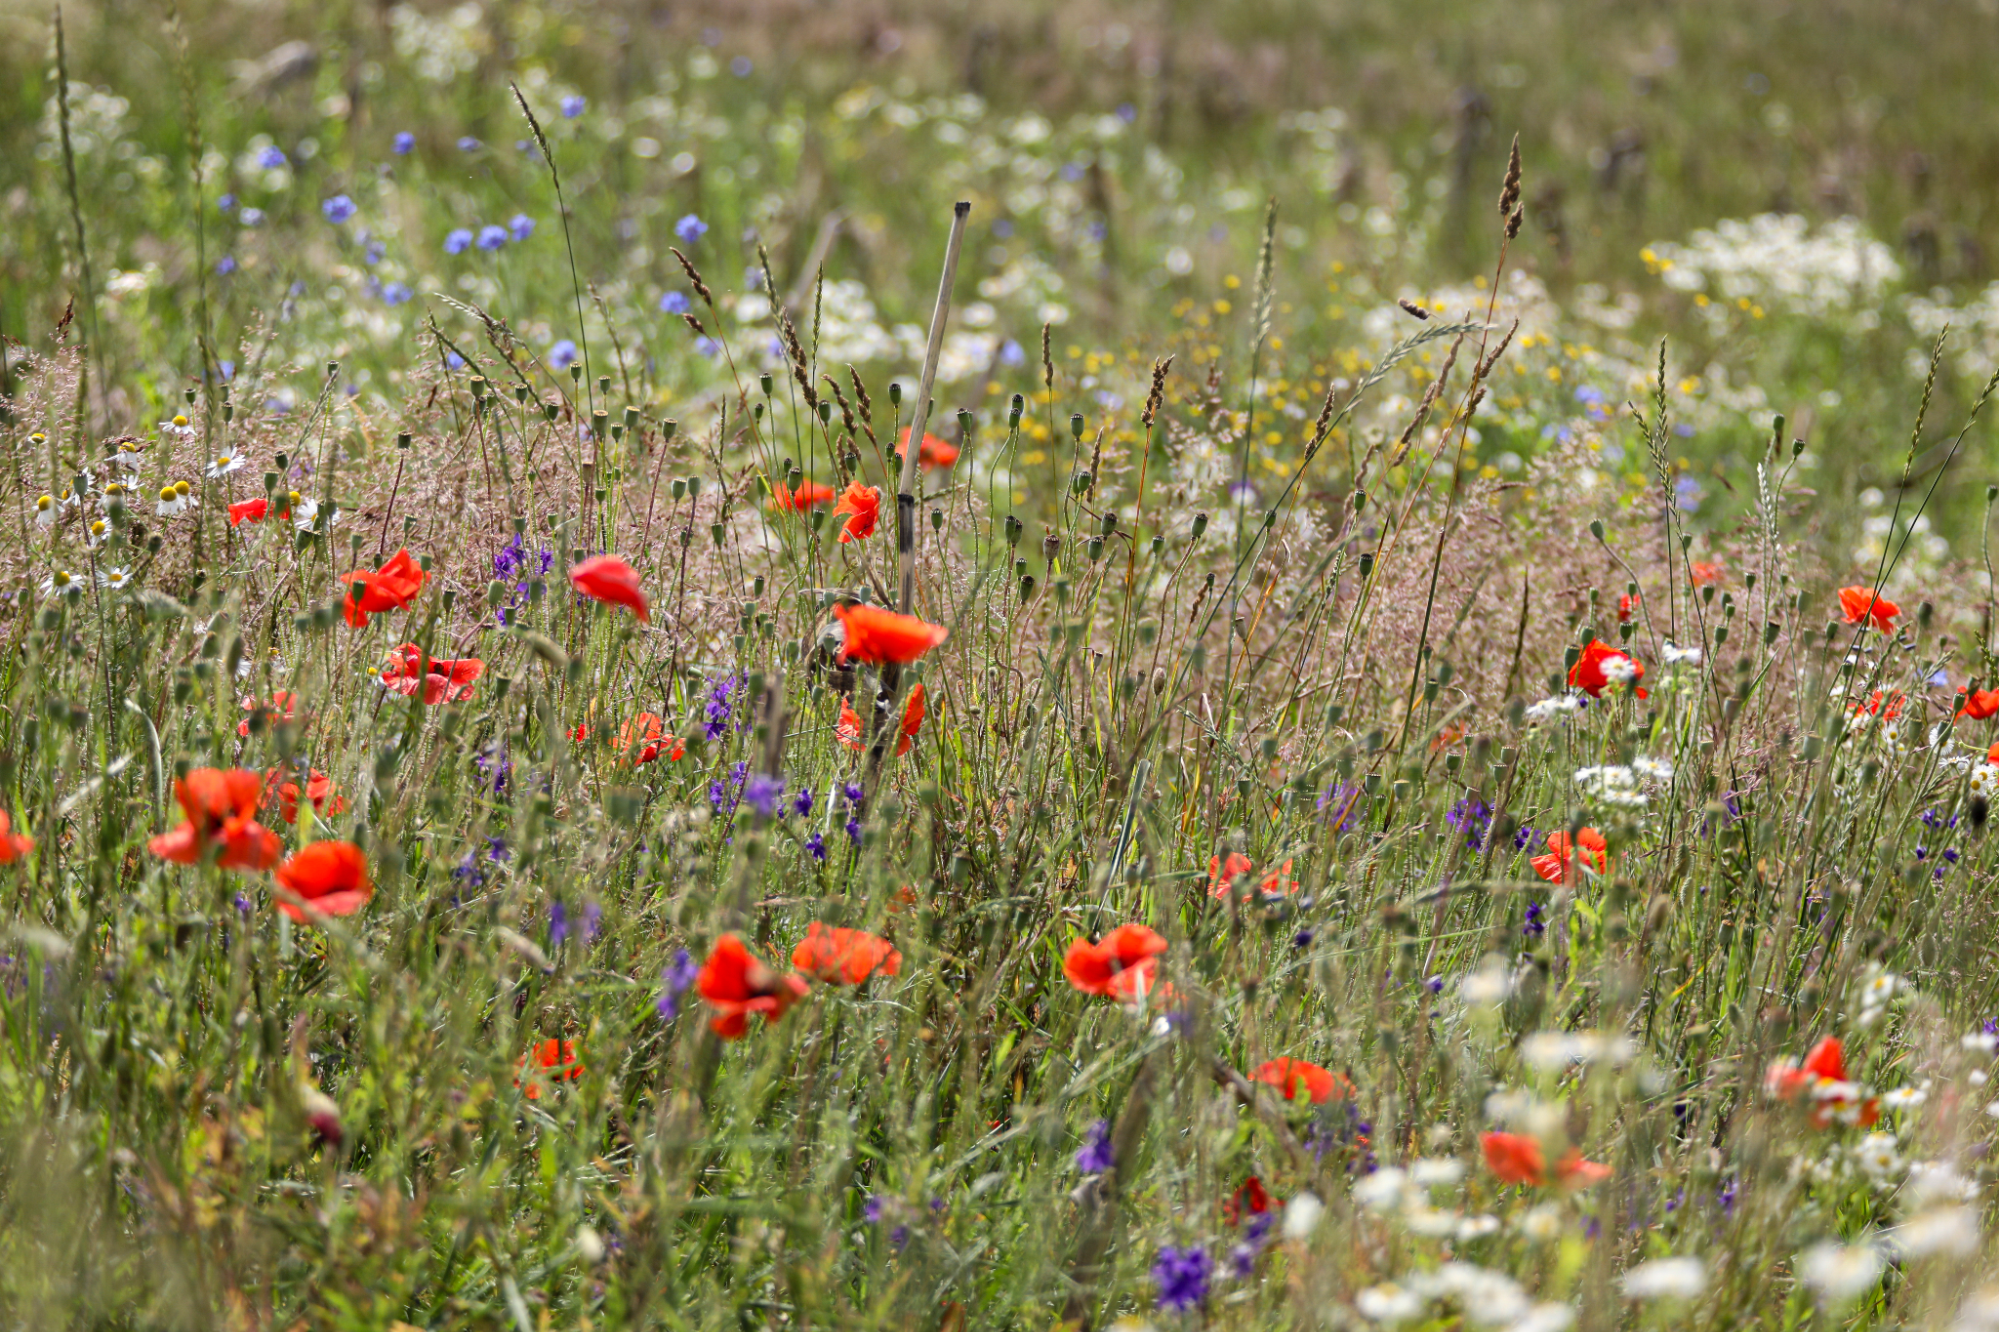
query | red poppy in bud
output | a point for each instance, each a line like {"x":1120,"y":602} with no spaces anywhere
{"x":332,"y":878}
{"x":605,"y":578}
{"x":323,"y":1114}
{"x":878,"y":637}
{"x":1704,"y":572}
{"x":1122,"y":965}
{"x":546,"y":1064}
{"x":809,"y":495}
{"x":1979,"y":704}
{"x":372,"y":592}
{"x":839,"y":954}
{"x":248,"y":511}
{"x":1602,"y":666}
{"x":863,"y":504}
{"x":283,"y":706}
{"x":1222,"y":877}
{"x":1863,"y":606}
{"x":318,"y":790}
{"x":933,"y":452}
{"x":644,"y":739}
{"x":221,"y":807}
{"x":1249,"y":1200}
{"x":1558,"y":866}
{"x":441,"y":679}
{"x":736,"y":984}
{"x":848,"y":729}
{"x":1290,"y":1077}
{"x":13,"y":846}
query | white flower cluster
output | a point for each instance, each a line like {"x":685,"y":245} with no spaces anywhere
{"x":1487,"y":1299}
{"x":1880,"y":988}
{"x":1777,"y":260}
{"x":1405,"y":1196}
{"x":1552,"y":1052}
{"x":1623,"y":785}
{"x":1554,"y":709}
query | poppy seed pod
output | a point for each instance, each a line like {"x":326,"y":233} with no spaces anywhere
{"x":895,"y":392}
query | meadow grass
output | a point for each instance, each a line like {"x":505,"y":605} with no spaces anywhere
{"x":1448,"y":790}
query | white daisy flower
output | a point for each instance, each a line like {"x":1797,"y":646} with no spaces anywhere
{"x":1675,"y":656}
{"x":228,"y":461}
{"x":46,"y":512}
{"x":95,"y":534}
{"x":1681,"y":1278}
{"x":1904,"y":1098}
{"x":304,"y":512}
{"x":1388,"y":1303}
{"x":1878,"y":1157}
{"x":1839,"y":1273}
{"x":1557,"y":708}
{"x":179,"y":426}
{"x":1941,"y":1231}
{"x":117,"y":578}
{"x":127,"y":452}
{"x":59,"y":582}
{"x":1619,"y":669}
{"x":1880,"y":989}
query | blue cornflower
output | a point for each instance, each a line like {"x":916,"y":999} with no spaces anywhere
{"x":802,"y":802}
{"x":1095,"y":1156}
{"x":673,"y":303}
{"x":558,"y":924}
{"x":491,"y":237}
{"x":690,"y":229}
{"x":338,"y":209}
{"x":520,"y":226}
{"x":763,"y":792}
{"x":562,"y":354}
{"x":226,"y":202}
{"x":226,"y":264}
{"x":373,"y":253}
{"x":741,"y":67}
{"x":396,"y":293}
{"x":402,"y":143}
{"x":251,"y":217}
{"x":572,"y":106}
{"x":459,"y":241}
{"x":674,"y":979}
{"x":468,"y":144}
{"x":270,"y":158}
{"x":707,"y":347}
{"x":1303,"y":939}
{"x":1182,"y":1276}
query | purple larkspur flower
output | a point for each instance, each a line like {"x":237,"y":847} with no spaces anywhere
{"x":802,"y":803}
{"x":271,"y":157}
{"x":815,"y":847}
{"x":1471,"y":817}
{"x":1341,"y":802}
{"x":1182,"y":1275}
{"x":1535,"y":926}
{"x":724,"y":794}
{"x":872,"y":1208}
{"x":720,"y":706}
{"x":1095,"y":1156}
{"x":763,"y":793}
{"x":558,"y":924}
{"x":674,"y":979}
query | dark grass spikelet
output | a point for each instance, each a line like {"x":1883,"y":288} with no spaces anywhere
{"x":1047,"y":361}
{"x":1409,"y":307}
{"x":695,"y":324}
{"x":866,"y":404}
{"x":1509,"y":193}
{"x":1157,"y":393}
{"x":694,"y":276}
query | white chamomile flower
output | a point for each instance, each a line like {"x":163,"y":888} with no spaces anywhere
{"x":1542,"y":1222}
{"x":1558,"y":708}
{"x":127,"y":452}
{"x":1683,"y":1278}
{"x":1433,"y":1172}
{"x":304,"y":511}
{"x":1388,"y":1303}
{"x":1981,"y":1042}
{"x":59,"y":582}
{"x":179,"y":426}
{"x":95,"y":534}
{"x":1879,"y":989}
{"x":228,"y":461}
{"x":117,"y":578}
{"x":1902,"y":1099}
{"x":45,"y":512}
{"x":1877,"y":1155}
{"x":175,"y":499}
{"x":1839,"y":1273}
{"x":1619,"y":669}
{"x":1676,"y":656}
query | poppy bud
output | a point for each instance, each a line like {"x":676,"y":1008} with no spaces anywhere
{"x":1924,"y":611}
{"x":1026,"y":587}
{"x":936,"y":520}
{"x":1158,"y":680}
{"x":825,"y":412}
{"x":1596,"y":528}
{"x":1366,"y":564}
{"x":965,"y":423}
{"x":1200,"y":524}
{"x":1110,"y":522}
{"x":1359,"y":501}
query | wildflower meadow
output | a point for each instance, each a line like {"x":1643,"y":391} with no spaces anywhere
{"x":782,"y":665}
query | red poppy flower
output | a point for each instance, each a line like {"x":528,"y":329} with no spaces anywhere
{"x":1979,"y":704}
{"x":1602,"y":666}
{"x":1876,"y":706}
{"x":248,"y":511}
{"x":13,"y":846}
{"x":1558,"y":866}
{"x":318,"y":790}
{"x":736,"y":984}
{"x":1122,"y":965}
{"x":332,"y":878}
{"x":1704,"y":572}
{"x":1574,"y":1171}
{"x":605,"y":578}
{"x":221,"y":807}
{"x":877,"y":636}
{"x":441,"y":679}
{"x":839,"y":954}
{"x":547,"y":1063}
{"x":1289,"y":1076}
{"x":848,"y":729}
{"x":1627,"y":606}
{"x":809,"y":495}
{"x":644,"y":739}
{"x":1516,"y":1159}
{"x":1222,"y":878}
{"x":1278,"y":881}
{"x":933,"y":452}
{"x":1862,"y":606}
{"x":1827,"y":1060}
{"x":390,"y":588}
{"x":1249,"y":1200}
{"x":864,"y":504}
{"x":1992,"y":753}
{"x":283,"y":706}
